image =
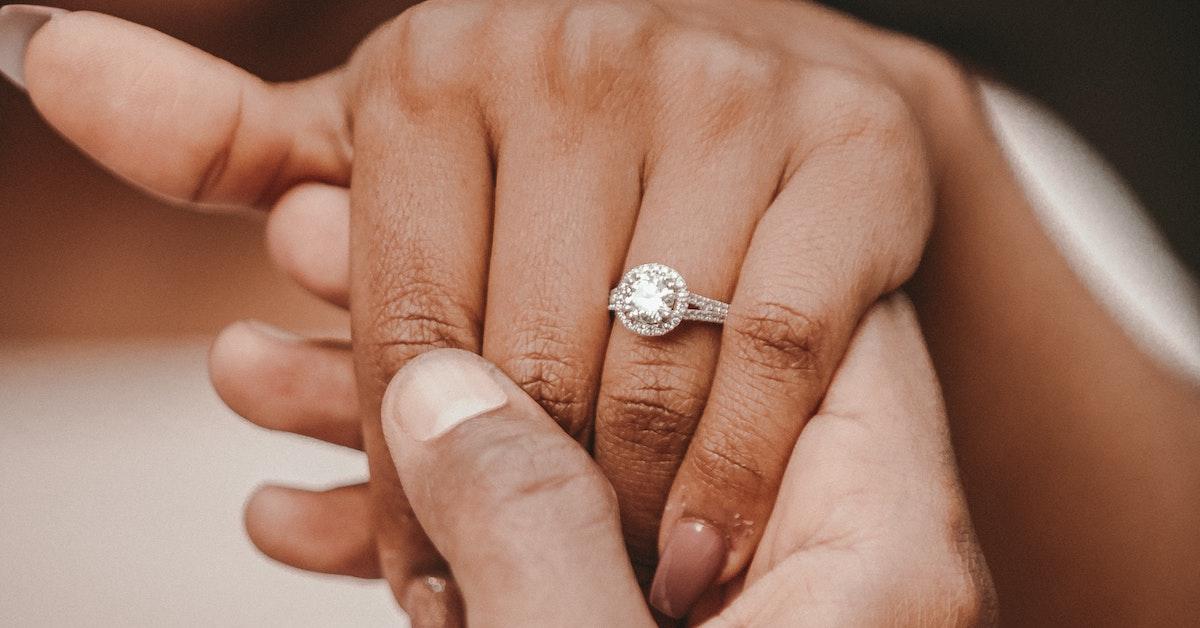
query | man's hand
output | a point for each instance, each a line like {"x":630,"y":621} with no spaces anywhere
{"x":870,"y":527}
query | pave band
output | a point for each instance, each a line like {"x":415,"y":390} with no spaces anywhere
{"x":652,"y":299}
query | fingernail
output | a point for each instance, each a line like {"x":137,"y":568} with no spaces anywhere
{"x":693,"y":558}
{"x":439,"y":390}
{"x":18,"y":23}
{"x":432,"y":601}
{"x":271,"y":331}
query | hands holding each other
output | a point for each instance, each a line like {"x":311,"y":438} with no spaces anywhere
{"x":478,"y":176}
{"x":870,"y":527}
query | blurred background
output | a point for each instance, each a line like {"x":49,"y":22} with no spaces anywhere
{"x":122,"y":475}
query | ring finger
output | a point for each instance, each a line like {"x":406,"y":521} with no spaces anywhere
{"x":703,"y":196}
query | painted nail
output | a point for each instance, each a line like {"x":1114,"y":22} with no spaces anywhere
{"x":438,"y":390}
{"x":693,"y":558}
{"x":18,"y":23}
{"x":432,"y":600}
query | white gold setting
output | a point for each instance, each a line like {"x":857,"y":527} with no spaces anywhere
{"x":652,"y":299}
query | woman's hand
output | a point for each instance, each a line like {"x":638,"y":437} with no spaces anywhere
{"x":870,"y":527}
{"x":773,"y":152}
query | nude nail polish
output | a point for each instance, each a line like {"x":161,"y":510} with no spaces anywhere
{"x":18,"y":23}
{"x":692,"y":560}
{"x":439,"y":390}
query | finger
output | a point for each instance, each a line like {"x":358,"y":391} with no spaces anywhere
{"x":873,"y":468}
{"x":845,"y":228}
{"x":323,"y":531}
{"x":308,"y":237}
{"x":179,"y":122}
{"x":286,"y":383}
{"x":704,"y":191}
{"x":881,"y":428}
{"x":420,"y":235}
{"x":520,"y":511}
{"x":551,"y":267}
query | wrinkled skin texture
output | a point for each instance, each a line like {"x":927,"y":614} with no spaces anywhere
{"x":870,"y":527}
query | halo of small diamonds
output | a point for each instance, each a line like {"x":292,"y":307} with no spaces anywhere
{"x":650,"y":300}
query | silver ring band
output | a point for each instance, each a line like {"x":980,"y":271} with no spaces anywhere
{"x":652,"y":299}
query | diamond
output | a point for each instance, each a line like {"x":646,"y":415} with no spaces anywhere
{"x":651,"y":299}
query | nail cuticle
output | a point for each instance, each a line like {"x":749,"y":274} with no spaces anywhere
{"x":432,"y":395}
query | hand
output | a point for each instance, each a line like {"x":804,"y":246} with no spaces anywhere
{"x":781,"y":153}
{"x":870,"y":527}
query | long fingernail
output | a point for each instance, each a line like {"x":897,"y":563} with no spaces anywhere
{"x":18,"y":23}
{"x":438,"y":390}
{"x":693,"y":558}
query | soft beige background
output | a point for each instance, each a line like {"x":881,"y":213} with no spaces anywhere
{"x":121,"y":485}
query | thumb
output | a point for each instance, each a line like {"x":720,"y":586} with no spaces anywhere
{"x":526,"y":521}
{"x":172,"y":119}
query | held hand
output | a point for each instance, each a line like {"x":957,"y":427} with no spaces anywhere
{"x":773,"y":152}
{"x":870,"y":527}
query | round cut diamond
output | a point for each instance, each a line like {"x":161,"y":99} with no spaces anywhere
{"x":651,"y":299}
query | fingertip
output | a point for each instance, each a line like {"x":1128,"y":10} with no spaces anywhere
{"x":271,"y":516}
{"x":240,"y":355}
{"x":267,"y":508}
{"x":693,"y":559}
{"x":325,"y":531}
{"x":308,"y":236}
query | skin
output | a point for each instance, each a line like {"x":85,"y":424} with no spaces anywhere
{"x":970,"y":290}
{"x":870,"y":528}
{"x":654,"y":121}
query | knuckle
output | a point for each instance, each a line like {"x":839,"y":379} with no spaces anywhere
{"x":731,"y":463}
{"x":414,"y":316}
{"x":716,"y":58}
{"x":650,"y":411}
{"x":430,"y":50}
{"x":780,"y":339}
{"x":594,"y":50}
{"x":941,"y":76}
{"x":597,"y":27}
{"x":716,"y":67}
{"x":716,"y":83}
{"x":862,"y":111}
{"x":547,"y":364}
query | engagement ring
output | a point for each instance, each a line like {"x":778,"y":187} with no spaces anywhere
{"x":652,"y":299}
